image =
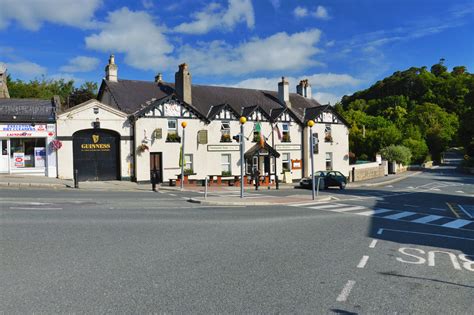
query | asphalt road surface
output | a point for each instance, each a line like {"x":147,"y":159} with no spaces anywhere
{"x":404,"y":248}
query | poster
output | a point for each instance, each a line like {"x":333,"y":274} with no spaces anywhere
{"x":40,"y":157}
{"x":19,"y":159}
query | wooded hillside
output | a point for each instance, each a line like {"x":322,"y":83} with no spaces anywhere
{"x":424,"y":110}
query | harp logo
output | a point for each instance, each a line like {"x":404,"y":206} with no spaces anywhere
{"x":95,"y":138}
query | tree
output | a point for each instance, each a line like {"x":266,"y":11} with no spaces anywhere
{"x":85,"y":92}
{"x":439,"y":68}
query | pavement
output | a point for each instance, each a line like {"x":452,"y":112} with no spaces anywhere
{"x":393,"y":249}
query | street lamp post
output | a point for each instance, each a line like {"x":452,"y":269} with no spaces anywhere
{"x":183,"y":124}
{"x":242,"y":120}
{"x":311,"y":152}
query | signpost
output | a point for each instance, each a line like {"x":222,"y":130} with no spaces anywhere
{"x":243,"y":120}
{"x":311,"y":152}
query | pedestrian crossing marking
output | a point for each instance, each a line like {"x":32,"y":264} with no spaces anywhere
{"x":427,"y":219}
{"x":400,"y":215}
{"x":457,"y":223}
{"x":373,"y":212}
{"x":391,"y":214}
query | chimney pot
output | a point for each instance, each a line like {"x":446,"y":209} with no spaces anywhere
{"x":111,"y":70}
{"x":284,"y":92}
{"x":159,"y":78}
{"x":183,"y":80}
{"x":304,"y":88}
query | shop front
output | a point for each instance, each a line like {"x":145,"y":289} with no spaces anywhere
{"x":25,"y":148}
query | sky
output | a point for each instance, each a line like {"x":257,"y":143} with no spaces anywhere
{"x":341,"y":46}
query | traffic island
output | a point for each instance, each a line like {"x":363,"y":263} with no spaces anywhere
{"x":262,"y":201}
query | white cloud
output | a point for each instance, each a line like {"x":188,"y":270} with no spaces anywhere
{"x":317,"y":80}
{"x":325,"y":98}
{"x":148,"y":4}
{"x":32,"y":13}
{"x":275,"y":3}
{"x":300,"y":11}
{"x":135,"y":34}
{"x":25,"y":69}
{"x":321,"y":13}
{"x":66,"y":77}
{"x":80,"y":64}
{"x":279,"y":52}
{"x":216,"y":17}
{"x":330,"y":43}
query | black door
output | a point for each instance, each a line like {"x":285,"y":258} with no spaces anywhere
{"x":156,"y":165}
{"x":96,"y":154}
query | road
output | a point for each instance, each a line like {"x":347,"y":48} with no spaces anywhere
{"x":395,"y":249}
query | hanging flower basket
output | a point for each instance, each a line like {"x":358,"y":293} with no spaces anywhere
{"x":142,"y":148}
{"x":55,"y":145}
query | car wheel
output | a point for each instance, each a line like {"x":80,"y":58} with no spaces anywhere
{"x":342,"y":185}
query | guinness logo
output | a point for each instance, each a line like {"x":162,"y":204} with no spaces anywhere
{"x":95,"y":138}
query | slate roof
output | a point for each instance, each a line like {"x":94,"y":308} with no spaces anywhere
{"x":312,"y":112}
{"x":253,"y":151}
{"x":131,"y":95}
{"x":27,"y":110}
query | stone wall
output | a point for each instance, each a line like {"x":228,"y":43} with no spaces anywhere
{"x":367,"y":171}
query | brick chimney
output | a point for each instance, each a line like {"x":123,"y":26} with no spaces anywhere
{"x":304,"y":88}
{"x":111,"y":70}
{"x":284,"y":92}
{"x":3,"y":82}
{"x":182,"y":80}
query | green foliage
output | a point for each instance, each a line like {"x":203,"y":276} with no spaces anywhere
{"x":433,"y":108}
{"x":396,"y":153}
{"x":47,"y":88}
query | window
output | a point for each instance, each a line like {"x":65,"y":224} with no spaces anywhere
{"x":286,"y":162}
{"x":172,"y":135}
{"x":328,"y":161}
{"x":315,"y":143}
{"x":172,"y":125}
{"x":4,"y":147}
{"x":285,"y":133}
{"x":225,"y":132}
{"x":225,"y":165}
{"x":188,"y":162}
{"x":327,"y":133}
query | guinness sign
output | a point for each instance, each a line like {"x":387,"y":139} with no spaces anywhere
{"x":95,"y":146}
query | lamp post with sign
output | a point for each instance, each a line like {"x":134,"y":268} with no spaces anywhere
{"x":183,"y":124}
{"x":242,"y":120}
{"x":311,"y":152}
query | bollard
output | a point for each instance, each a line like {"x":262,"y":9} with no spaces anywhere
{"x":317,"y":188}
{"x":153,"y":180}
{"x":205,"y":189}
{"x":277,"y":185}
{"x":76,"y":178}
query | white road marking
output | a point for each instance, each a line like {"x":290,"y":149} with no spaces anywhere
{"x":24,"y":208}
{"x":399,"y":215}
{"x":363,"y":261}
{"x":373,"y":243}
{"x":306,"y":204}
{"x":389,"y":186}
{"x":465,"y":211}
{"x":372,"y":212}
{"x":410,"y":187}
{"x":350,"y":209}
{"x":435,"y":189}
{"x":172,"y":195}
{"x":460,"y":191}
{"x":346,"y":291}
{"x":427,"y":219}
{"x":327,"y":206}
{"x":422,"y":233}
{"x":413,"y":206}
{"x":456,"y":224}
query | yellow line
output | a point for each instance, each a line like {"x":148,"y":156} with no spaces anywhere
{"x":452,"y":210}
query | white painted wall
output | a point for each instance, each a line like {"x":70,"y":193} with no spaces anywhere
{"x":82,"y":117}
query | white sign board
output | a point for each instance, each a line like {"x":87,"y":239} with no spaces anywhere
{"x":26,"y":130}
{"x":40,"y":157}
{"x":19,"y":159}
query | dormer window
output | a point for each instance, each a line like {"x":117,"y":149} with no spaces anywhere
{"x":327,"y":133}
{"x":285,"y":128}
{"x":225,"y":132}
{"x":172,"y":135}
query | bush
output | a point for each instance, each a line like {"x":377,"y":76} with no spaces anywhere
{"x":397,"y":153}
{"x":418,"y":148}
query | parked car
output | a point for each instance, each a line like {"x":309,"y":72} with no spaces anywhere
{"x":327,"y":179}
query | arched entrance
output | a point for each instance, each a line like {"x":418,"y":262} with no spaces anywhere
{"x":96,"y":154}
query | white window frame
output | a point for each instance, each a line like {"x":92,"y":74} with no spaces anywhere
{"x":285,"y":161}
{"x":175,"y":128}
{"x":226,"y":166}
{"x":330,"y":155}
{"x":188,"y":164}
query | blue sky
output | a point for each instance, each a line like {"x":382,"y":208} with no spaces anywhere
{"x":340,"y":45}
